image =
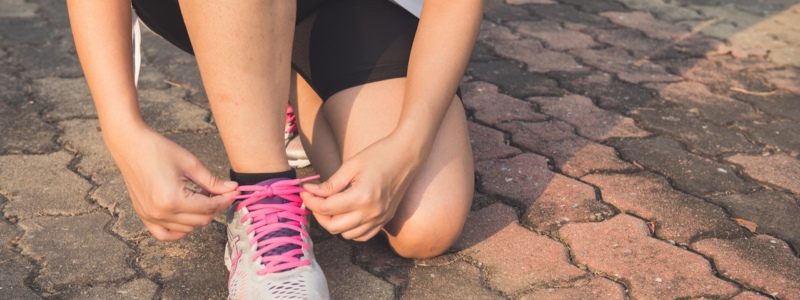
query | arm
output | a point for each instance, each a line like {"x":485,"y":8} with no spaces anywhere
{"x":155,"y":169}
{"x":442,"y":46}
{"x":363,"y":195}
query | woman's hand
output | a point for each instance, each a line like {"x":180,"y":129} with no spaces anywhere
{"x":363,"y":195}
{"x":156,"y":172}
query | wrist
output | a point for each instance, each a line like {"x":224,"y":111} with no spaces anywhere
{"x":414,"y":138}
{"x":120,"y":129}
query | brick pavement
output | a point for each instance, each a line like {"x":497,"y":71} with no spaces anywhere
{"x":642,"y":149}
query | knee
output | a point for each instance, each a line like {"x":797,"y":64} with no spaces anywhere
{"x":425,"y":243}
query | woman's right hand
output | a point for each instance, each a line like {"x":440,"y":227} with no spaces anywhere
{"x":156,"y":172}
{"x":155,"y":169}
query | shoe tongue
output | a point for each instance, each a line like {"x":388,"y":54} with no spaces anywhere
{"x":274,"y":217}
{"x":274,"y":199}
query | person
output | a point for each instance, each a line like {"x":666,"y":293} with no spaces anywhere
{"x":374,"y":86}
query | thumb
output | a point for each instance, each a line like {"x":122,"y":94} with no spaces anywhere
{"x":209,"y":182}
{"x":335,"y":184}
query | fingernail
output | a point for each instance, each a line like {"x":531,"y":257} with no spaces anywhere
{"x":229,"y":184}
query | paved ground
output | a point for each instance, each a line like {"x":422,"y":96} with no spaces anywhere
{"x":642,"y":149}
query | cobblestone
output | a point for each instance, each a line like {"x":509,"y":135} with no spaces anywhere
{"x":175,"y":264}
{"x":595,"y":288}
{"x":566,"y":13}
{"x":507,"y":264}
{"x":645,"y":22}
{"x":781,"y":135}
{"x":572,"y":154}
{"x":458,"y":280}
{"x":744,"y":259}
{"x":562,"y":39}
{"x":581,"y":114}
{"x":50,"y":60}
{"x":700,"y":136}
{"x":773,"y":212}
{"x":610,"y":94}
{"x":533,"y":54}
{"x":565,"y":201}
{"x":17,"y":9}
{"x":84,"y":137}
{"x":747,"y":295}
{"x":74,"y":251}
{"x":346,"y":280}
{"x":489,"y":106}
{"x":137,"y":289}
{"x":488,"y":143}
{"x":715,"y":108}
{"x":513,"y":80}
{"x":113,"y":195}
{"x":522,"y":178}
{"x":688,"y":172}
{"x":23,"y":132}
{"x":621,"y":248}
{"x":625,"y":66}
{"x":779,"y":170}
{"x":675,"y":216}
{"x":23,"y":179}
{"x":589,"y":121}
{"x":9,"y":235}
{"x":15,"y":271}
{"x":491,"y":32}
{"x":164,"y":112}
{"x":67,"y":98}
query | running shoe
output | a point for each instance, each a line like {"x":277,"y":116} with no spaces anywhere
{"x":294,"y":147}
{"x":269,"y":252}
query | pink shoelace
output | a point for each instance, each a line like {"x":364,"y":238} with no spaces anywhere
{"x":270,"y":218}
{"x":291,"y":120}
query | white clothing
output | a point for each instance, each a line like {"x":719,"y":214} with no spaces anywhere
{"x":412,"y":6}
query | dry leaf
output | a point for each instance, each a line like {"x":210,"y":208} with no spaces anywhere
{"x":740,"y":53}
{"x":750,"y":225}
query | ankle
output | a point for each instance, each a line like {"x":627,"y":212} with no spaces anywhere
{"x":253,"y":178}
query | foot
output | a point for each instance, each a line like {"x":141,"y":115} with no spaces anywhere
{"x":294,"y":147}
{"x":269,"y":252}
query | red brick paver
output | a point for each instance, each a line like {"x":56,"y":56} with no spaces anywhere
{"x":512,"y":257}
{"x":779,"y":170}
{"x":761,"y":262}
{"x":676,"y":216}
{"x":651,"y":269}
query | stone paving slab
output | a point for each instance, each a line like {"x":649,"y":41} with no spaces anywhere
{"x":651,"y":269}
{"x":625,"y":149}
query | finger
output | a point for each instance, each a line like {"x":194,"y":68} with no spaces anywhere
{"x":163,"y":234}
{"x":337,"y":204}
{"x":341,"y":223}
{"x":337,"y":183}
{"x":196,"y":203}
{"x":175,"y":227}
{"x":360,"y":232}
{"x":193,"y":220}
{"x":370,"y":234}
{"x":209,"y":182}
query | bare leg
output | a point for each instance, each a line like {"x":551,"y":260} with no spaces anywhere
{"x":243,"y":50}
{"x":437,"y":202}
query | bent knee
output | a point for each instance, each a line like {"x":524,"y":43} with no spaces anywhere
{"x":426,"y":243}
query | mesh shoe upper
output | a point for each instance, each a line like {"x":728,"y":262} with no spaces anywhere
{"x":269,"y":252}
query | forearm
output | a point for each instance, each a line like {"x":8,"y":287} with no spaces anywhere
{"x":102,"y":32}
{"x":442,"y":46}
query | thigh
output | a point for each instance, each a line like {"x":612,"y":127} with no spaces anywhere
{"x":164,"y":18}
{"x":441,"y":192}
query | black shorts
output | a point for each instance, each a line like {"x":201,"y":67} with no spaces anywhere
{"x":338,"y":44}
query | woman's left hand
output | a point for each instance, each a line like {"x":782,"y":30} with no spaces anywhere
{"x":363,"y":195}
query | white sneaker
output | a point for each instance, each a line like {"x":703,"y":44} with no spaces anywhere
{"x":294,"y":147}
{"x":269,"y":252}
